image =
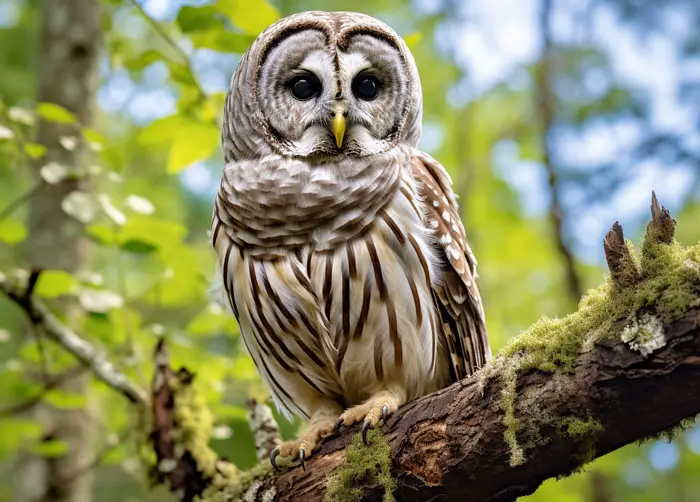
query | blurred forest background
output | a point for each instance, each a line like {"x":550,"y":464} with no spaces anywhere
{"x":555,"y":118}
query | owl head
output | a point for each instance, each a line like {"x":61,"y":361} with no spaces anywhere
{"x":323,"y":84}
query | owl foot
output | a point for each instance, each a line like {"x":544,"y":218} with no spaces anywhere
{"x":377,"y":408}
{"x":302,"y":448}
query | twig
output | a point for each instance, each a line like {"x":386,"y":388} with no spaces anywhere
{"x":266,"y":432}
{"x":546,"y":109}
{"x":49,"y":385}
{"x":40,"y":315}
{"x":173,"y":44}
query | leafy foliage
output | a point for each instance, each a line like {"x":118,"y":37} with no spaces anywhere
{"x":152,"y":161}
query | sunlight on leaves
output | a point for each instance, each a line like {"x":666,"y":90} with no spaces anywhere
{"x":99,"y":300}
{"x":12,"y":231}
{"x":6,"y":133}
{"x":53,"y":172}
{"x":34,"y":150}
{"x":251,"y":16}
{"x":50,"y":448}
{"x":413,"y":39}
{"x":65,"y":400}
{"x":139,"y":204}
{"x":55,"y":283}
{"x":52,"y":112}
{"x":80,"y":206}
{"x":193,"y":141}
{"x":21,"y":115}
{"x":110,"y":210}
{"x":68,"y":142}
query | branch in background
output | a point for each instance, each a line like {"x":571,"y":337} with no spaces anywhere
{"x":266,"y":432}
{"x":173,"y":44}
{"x":537,"y":411}
{"x":546,"y":105}
{"x":40,"y":316}
{"x":49,"y":383}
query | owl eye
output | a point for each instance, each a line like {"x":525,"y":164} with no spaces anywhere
{"x":305,"y":87}
{"x":365,"y":87}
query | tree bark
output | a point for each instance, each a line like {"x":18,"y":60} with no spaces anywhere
{"x":68,"y":76}
{"x":449,"y":446}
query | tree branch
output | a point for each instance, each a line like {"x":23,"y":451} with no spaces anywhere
{"x":266,"y":432}
{"x":40,"y":316}
{"x":563,"y":393}
{"x":546,"y":105}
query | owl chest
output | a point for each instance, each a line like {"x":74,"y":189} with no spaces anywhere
{"x":375,"y":293}
{"x":342,"y":321}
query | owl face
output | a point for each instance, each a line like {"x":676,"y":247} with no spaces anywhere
{"x":331,"y":84}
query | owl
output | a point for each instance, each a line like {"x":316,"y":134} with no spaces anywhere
{"x":339,"y":243}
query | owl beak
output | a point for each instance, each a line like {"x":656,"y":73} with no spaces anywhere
{"x":338,"y":127}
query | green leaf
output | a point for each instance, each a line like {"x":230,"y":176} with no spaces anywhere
{"x":193,"y":141}
{"x":180,"y":73}
{"x":251,"y":16}
{"x":160,"y":131}
{"x":50,"y":449}
{"x":144,"y":59}
{"x":94,"y":139}
{"x":137,"y":246}
{"x":413,"y":39}
{"x":65,"y":400}
{"x":19,"y":429}
{"x":152,"y":231}
{"x":222,"y":41}
{"x":12,"y":231}
{"x":34,"y":150}
{"x":191,"y":19}
{"x":102,"y":233}
{"x":52,"y":112}
{"x":212,"y":321}
{"x":55,"y":283}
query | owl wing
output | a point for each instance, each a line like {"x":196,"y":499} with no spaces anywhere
{"x":280,"y":317}
{"x":455,"y":294}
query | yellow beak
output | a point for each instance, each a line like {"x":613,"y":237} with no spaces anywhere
{"x":338,"y":128}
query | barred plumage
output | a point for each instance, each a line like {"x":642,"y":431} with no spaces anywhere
{"x":347,"y":268}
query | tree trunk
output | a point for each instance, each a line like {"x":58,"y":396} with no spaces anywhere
{"x":67,"y":76}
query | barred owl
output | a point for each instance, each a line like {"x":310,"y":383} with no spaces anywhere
{"x":340,"y":244}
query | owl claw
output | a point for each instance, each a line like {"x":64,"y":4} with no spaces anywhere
{"x":302,"y":457}
{"x":366,"y":426}
{"x":273,"y":458}
{"x":385,"y":412}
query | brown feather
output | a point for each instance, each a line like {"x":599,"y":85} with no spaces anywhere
{"x":457,"y":297}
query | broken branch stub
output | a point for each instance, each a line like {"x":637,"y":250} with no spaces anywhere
{"x":623,"y":269}
{"x":179,"y":469}
{"x":660,"y":230}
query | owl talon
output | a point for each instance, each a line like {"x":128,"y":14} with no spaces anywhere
{"x":273,"y":458}
{"x":385,"y":412}
{"x":366,"y":426}
{"x":302,"y":457}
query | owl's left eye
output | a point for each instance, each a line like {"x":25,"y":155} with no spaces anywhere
{"x":365,"y":87}
{"x":305,"y":87}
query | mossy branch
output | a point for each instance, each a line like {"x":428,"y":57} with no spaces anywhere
{"x":561,"y":394}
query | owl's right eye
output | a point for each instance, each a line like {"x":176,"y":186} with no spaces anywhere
{"x":305,"y":87}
